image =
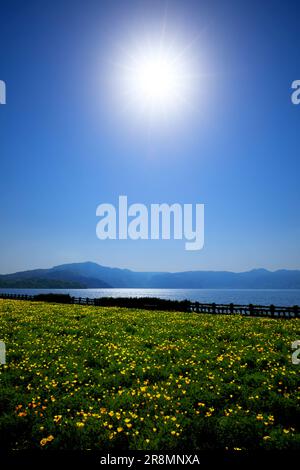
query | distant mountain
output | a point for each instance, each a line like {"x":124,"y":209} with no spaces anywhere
{"x":93,"y":275}
{"x":59,"y":277}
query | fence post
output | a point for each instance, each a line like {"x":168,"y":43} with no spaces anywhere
{"x":272,"y":310}
{"x":231,"y":308}
{"x":251,"y":309}
{"x":213,"y":306}
{"x":296,"y":310}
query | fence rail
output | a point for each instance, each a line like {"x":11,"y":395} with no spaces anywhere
{"x":271,"y":311}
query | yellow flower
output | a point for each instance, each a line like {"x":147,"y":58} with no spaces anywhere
{"x":45,"y":440}
{"x":79,"y":424}
{"x":120,"y":429}
{"x":266,"y":438}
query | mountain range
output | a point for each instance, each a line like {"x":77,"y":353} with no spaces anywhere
{"x":93,"y":275}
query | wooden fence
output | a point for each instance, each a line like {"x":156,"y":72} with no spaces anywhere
{"x":270,"y":311}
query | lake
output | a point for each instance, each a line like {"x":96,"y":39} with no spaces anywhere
{"x":280,"y":297}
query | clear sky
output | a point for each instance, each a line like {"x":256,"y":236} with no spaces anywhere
{"x":68,"y":142}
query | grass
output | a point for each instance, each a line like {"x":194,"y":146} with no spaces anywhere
{"x":109,"y":378}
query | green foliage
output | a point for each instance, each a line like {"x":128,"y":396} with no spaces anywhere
{"x":111,"y":378}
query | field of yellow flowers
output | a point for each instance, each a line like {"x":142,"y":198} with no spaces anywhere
{"x":108,"y":378}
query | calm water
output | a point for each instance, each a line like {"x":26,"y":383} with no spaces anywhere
{"x":286,"y":297}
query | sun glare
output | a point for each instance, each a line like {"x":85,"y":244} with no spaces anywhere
{"x":156,"y":79}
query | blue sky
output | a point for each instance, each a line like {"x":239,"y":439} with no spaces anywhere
{"x":66,"y":146}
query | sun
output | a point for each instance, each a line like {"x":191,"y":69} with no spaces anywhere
{"x":156,"y":78}
{"x":156,"y":81}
